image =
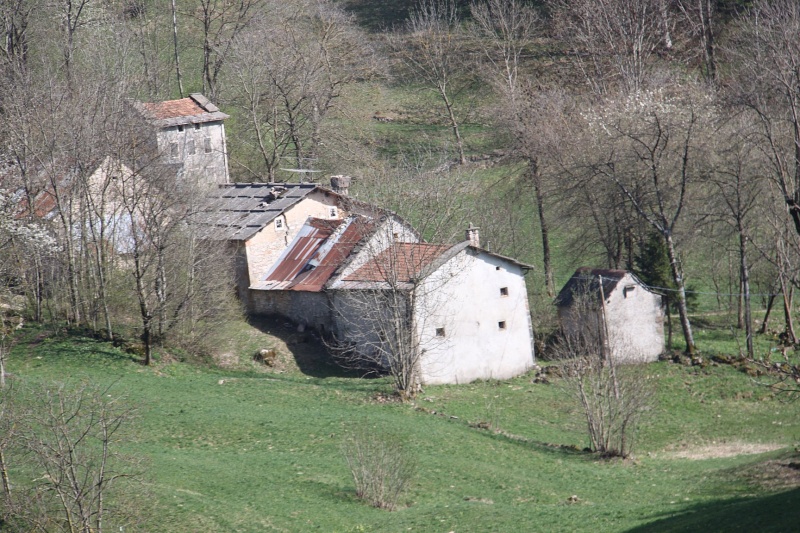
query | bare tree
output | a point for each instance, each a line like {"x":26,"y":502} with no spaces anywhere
{"x":175,"y":48}
{"x":654,"y":157}
{"x":739,"y":186}
{"x":387,"y":314}
{"x":701,"y":16}
{"x":613,"y":397}
{"x":380,"y":465}
{"x":433,"y":48}
{"x":222,"y":22}
{"x":766,"y":58}
{"x":305,"y":55}
{"x":15,"y":17}
{"x":71,"y":436}
{"x":506,"y":29}
{"x":615,"y":40}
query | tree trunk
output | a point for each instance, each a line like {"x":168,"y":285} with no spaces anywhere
{"x":454,"y":124}
{"x":4,"y":479}
{"x":707,"y":39}
{"x":745,"y":297}
{"x":175,"y":45}
{"x":683,"y":311}
{"x":788,"y":293}
{"x":545,"y":229}
{"x":770,"y":302}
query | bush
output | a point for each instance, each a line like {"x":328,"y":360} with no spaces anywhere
{"x":381,"y":468}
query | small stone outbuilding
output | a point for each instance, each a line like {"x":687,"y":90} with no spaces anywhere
{"x":618,"y":305}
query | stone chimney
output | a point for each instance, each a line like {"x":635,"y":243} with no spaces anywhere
{"x":340,"y":184}
{"x":473,"y":235}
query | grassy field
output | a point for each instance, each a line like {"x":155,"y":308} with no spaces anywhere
{"x":239,"y":447}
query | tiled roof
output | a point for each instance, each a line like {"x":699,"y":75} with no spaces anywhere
{"x":185,"y":107}
{"x":239,"y":210}
{"x":400,"y":263}
{"x":319,"y":249}
{"x":195,"y":109}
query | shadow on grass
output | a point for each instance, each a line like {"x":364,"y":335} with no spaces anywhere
{"x":775,"y":512}
{"x":74,"y":346}
{"x":539,"y":446}
{"x":311,"y":356}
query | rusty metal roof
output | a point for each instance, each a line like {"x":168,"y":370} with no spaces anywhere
{"x":318,"y":250}
{"x":240,"y":210}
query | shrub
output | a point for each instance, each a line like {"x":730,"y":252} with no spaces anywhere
{"x":381,"y":468}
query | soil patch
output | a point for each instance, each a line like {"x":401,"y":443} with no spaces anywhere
{"x":717,"y":450}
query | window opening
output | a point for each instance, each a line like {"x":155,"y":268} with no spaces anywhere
{"x":503,"y":291}
{"x":190,"y":146}
{"x":208,"y":145}
{"x":279,"y":223}
{"x":197,"y":126}
{"x":180,"y":128}
{"x":333,"y":212}
{"x":501,"y":324}
{"x":440,"y":332}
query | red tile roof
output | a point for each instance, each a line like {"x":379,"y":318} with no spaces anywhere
{"x":195,"y":109}
{"x":185,"y":107}
{"x":400,"y":263}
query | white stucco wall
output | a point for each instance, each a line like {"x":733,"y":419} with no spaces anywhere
{"x":464,"y":298}
{"x":209,"y":163}
{"x":635,"y":322}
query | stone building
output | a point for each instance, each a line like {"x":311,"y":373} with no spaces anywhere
{"x":259,"y":220}
{"x":627,"y":316}
{"x":191,"y":137}
{"x":465,"y":310}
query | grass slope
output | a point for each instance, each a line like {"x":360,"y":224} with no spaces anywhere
{"x":244,"y":449}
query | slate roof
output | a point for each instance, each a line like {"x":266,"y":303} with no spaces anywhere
{"x":239,"y":210}
{"x":196,"y":109}
{"x":586,"y":281}
{"x":318,"y":250}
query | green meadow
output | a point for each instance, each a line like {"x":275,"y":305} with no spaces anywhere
{"x":230,"y":445}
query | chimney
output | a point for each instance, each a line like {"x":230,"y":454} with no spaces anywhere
{"x":340,"y":184}
{"x":473,"y":235}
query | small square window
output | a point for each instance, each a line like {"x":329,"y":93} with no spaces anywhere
{"x":197,"y":126}
{"x":503,"y":291}
{"x":207,"y":145}
{"x":501,"y":324}
{"x":279,"y":223}
{"x":497,"y":268}
{"x":440,"y":332}
{"x":333,"y":212}
{"x":180,"y":128}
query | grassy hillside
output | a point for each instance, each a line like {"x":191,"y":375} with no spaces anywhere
{"x":245,"y":448}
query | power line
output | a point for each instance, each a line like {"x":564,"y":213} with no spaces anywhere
{"x":686,"y":291}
